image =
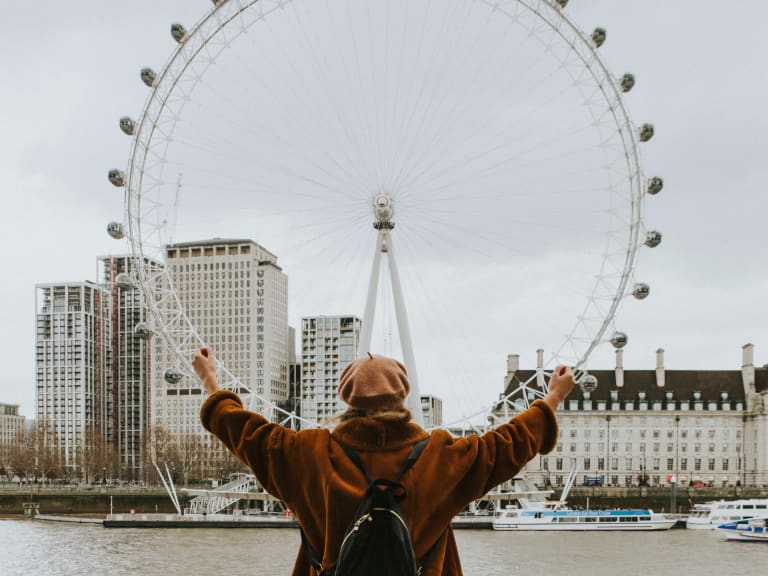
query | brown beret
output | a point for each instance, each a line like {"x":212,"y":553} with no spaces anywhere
{"x":374,"y":382}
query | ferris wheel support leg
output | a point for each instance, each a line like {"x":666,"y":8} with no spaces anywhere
{"x":413,"y":401}
{"x":366,"y":332}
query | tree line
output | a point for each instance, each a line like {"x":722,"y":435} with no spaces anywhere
{"x":37,"y":455}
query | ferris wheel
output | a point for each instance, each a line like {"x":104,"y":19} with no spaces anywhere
{"x":486,"y":144}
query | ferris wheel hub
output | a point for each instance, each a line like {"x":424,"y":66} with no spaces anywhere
{"x":383,"y":211}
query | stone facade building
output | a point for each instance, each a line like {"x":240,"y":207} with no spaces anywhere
{"x":655,"y":426}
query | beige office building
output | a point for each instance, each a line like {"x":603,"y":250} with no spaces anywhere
{"x":236,"y":296}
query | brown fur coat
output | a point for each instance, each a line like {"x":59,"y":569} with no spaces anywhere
{"x":310,"y":472}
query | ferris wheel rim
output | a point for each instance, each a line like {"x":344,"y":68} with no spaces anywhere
{"x":187,"y":51}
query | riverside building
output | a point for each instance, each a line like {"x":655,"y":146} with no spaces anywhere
{"x":73,"y":355}
{"x":11,"y":430}
{"x":431,"y":411}
{"x":328,"y":344}
{"x":657,"y":426}
{"x":128,"y":418}
{"x":236,"y":296}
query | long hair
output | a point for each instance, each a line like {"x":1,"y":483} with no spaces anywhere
{"x":399,"y":414}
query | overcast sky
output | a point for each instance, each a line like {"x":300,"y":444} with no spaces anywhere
{"x":70,"y":70}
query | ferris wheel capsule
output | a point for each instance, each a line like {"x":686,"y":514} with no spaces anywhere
{"x":127,"y":125}
{"x":588,"y":383}
{"x":115,"y":230}
{"x":652,"y":238}
{"x":598,"y":36}
{"x":619,"y":340}
{"x":117,"y":177}
{"x":641,"y":290}
{"x":655,"y":185}
{"x":124,"y":281}
{"x":627,"y":82}
{"x":178,"y":32}
{"x":562,"y":3}
{"x":646,"y":132}
{"x":172,"y":375}
{"x":148,"y":76}
{"x":142,"y":331}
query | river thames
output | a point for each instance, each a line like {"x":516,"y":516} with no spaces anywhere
{"x":52,"y":549}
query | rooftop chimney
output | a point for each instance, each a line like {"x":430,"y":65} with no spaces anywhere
{"x":660,"y":367}
{"x":513,"y":363}
{"x":748,"y":369}
{"x":540,"y":368}
{"x":619,"y":368}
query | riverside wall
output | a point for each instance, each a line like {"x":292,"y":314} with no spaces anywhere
{"x":88,"y":501}
{"x":98,"y":501}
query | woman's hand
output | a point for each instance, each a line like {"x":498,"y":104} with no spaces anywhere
{"x":204,"y":364}
{"x":560,"y":385}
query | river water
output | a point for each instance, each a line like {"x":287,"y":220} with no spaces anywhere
{"x":53,"y":549}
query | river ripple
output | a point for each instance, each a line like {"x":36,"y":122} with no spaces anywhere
{"x":53,"y":549}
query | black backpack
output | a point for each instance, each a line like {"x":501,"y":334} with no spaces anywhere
{"x":377,"y":541}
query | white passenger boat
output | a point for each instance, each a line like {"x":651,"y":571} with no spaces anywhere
{"x":532,"y":512}
{"x":710,"y":515}
{"x":753,"y":530}
{"x":581,"y":520}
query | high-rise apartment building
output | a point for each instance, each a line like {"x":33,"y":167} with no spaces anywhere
{"x":11,"y":430}
{"x":431,"y":411}
{"x":236,"y":296}
{"x":328,"y":344}
{"x":128,"y":423}
{"x":73,"y":360}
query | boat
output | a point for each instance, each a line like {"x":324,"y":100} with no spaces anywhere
{"x":581,"y":520}
{"x":710,"y":515}
{"x":752,"y":530}
{"x":533,"y":511}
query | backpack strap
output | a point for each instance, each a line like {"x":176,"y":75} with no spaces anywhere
{"x":310,"y":554}
{"x":414,"y":454}
{"x":412,"y":457}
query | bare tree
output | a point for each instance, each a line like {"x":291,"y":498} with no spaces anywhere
{"x":22,"y":455}
{"x":49,"y":453}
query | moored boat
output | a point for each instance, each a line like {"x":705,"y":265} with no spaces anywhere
{"x":532,"y":511}
{"x":580,"y":520}
{"x":710,"y":515}
{"x":752,"y":530}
